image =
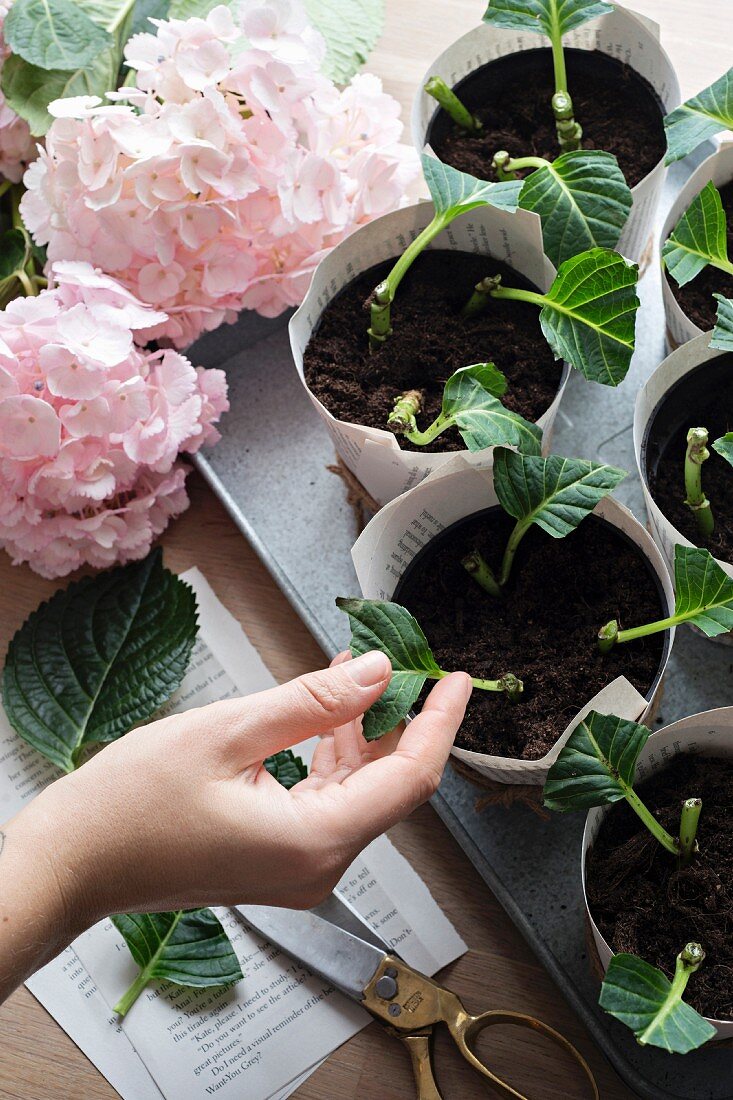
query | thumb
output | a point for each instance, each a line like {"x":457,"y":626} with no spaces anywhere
{"x":259,"y":725}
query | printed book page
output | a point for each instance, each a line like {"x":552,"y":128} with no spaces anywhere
{"x":298,"y":1020}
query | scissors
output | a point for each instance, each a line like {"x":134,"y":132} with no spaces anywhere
{"x":336,"y":943}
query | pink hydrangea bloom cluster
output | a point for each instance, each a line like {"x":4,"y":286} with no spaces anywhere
{"x":230,"y":170}
{"x":91,"y":425}
{"x":17,"y":147}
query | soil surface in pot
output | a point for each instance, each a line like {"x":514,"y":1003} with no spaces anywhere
{"x":643,"y":904}
{"x":695,"y":299}
{"x":543,"y":629}
{"x":430,"y":340}
{"x":703,"y":398}
{"x":617,"y":108}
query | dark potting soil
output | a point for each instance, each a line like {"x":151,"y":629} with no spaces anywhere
{"x":696,"y":298}
{"x":617,"y":108}
{"x":430,"y":340}
{"x":543,"y":629}
{"x":703,"y":398}
{"x":643,"y":904}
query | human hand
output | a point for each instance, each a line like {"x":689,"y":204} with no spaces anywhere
{"x":181,"y":813}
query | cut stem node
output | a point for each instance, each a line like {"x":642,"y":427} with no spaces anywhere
{"x":403,"y":416}
{"x":569,"y":132}
{"x":451,"y":104}
{"x":697,"y":452}
{"x":475,"y":564}
{"x":689,"y":819}
{"x":482,"y":292}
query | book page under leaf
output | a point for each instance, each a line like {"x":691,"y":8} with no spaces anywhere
{"x":596,"y":765}
{"x":556,"y":493}
{"x":700,"y":118}
{"x":188,"y":947}
{"x":699,"y":238}
{"x":582,"y":200}
{"x":644,"y":999}
{"x":98,"y":658}
{"x":722,"y":337}
{"x":544,"y":16}
{"x":287,"y":768}
{"x":589,"y":314}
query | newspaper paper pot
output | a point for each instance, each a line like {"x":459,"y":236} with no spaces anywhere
{"x":373,"y":454}
{"x":718,"y":167}
{"x":621,"y":34}
{"x":399,"y":531}
{"x":652,"y":430}
{"x":709,"y":733}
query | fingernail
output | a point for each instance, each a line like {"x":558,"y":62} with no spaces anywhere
{"x":369,"y":669}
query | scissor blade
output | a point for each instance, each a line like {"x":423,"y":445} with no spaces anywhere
{"x":346,"y":961}
{"x":339,"y":911}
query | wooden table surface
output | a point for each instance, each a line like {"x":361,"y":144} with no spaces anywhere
{"x":37,"y":1059}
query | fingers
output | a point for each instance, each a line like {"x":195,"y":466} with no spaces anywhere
{"x":388,"y":789}
{"x":259,"y":725}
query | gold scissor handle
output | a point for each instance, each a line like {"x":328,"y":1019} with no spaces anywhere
{"x":411,"y":1005}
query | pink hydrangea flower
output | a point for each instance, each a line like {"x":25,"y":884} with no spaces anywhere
{"x":231,"y":169}
{"x":17,"y":147}
{"x":91,"y":426}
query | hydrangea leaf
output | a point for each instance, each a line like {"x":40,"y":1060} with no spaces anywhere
{"x":724,"y":447}
{"x":481,"y":418}
{"x":582,"y":200}
{"x":29,"y":89}
{"x":287,"y":768}
{"x":54,"y":34}
{"x":644,"y":999}
{"x":556,"y":493}
{"x":351,"y":32}
{"x":98,"y":658}
{"x":188,"y":947}
{"x":596,"y":765}
{"x":700,"y":118}
{"x":704,"y":591}
{"x":699,"y":238}
{"x":588,"y":315}
{"x":548,"y":17}
{"x":722,"y":337}
{"x":455,"y":192}
{"x":378,"y":624}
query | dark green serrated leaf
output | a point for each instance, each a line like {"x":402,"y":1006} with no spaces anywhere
{"x":583,"y":201}
{"x":544,"y":16}
{"x":98,"y":658}
{"x":722,"y":337}
{"x":287,"y":768}
{"x":642,"y":997}
{"x":377,"y":624}
{"x":700,"y":118}
{"x":703,"y":591}
{"x":54,"y":34}
{"x":455,"y":192}
{"x":724,"y":447}
{"x":29,"y":89}
{"x":479,"y":416}
{"x":699,"y":238}
{"x":589,"y":314}
{"x":351,"y":32}
{"x":556,"y":493}
{"x":188,"y":947}
{"x":14,"y":253}
{"x":596,"y":765}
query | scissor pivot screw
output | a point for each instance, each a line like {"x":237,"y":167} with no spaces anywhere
{"x":394,"y":1010}
{"x":386,"y":988}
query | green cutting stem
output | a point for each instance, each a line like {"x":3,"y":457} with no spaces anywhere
{"x":452,"y":105}
{"x":381,"y":327}
{"x":697,"y":452}
{"x":665,"y":839}
{"x":688,"y":961}
{"x":507,"y":683}
{"x":609,"y":635}
{"x":476,"y":565}
{"x":490,"y":287}
{"x":689,"y":819}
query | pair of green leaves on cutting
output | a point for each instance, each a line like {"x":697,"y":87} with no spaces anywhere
{"x":98,"y":658}
{"x":597,"y":767}
{"x":581,"y":197}
{"x":63,"y":48}
{"x":587,"y":316}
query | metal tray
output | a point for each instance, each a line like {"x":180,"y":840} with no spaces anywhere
{"x":270,"y":471}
